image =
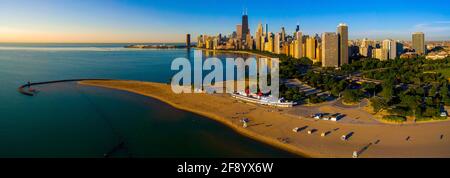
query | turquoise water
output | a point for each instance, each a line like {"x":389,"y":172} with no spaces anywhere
{"x":69,"y":120}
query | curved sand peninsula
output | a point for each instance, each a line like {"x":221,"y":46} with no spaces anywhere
{"x":274,"y":126}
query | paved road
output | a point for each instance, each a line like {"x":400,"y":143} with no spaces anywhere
{"x":353,"y":114}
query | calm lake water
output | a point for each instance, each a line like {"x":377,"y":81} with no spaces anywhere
{"x":69,"y":120}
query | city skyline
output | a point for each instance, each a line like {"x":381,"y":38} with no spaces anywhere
{"x":149,"y":21}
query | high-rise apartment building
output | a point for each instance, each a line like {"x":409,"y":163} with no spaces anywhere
{"x":342,"y":31}
{"x":365,"y":51}
{"x":318,"y":53}
{"x":399,"y":48}
{"x":276,"y":44}
{"x":239,"y":31}
{"x":298,"y":51}
{"x":391,"y":47}
{"x":285,"y":48}
{"x":292,"y":49}
{"x":263,"y":43}
{"x":258,"y":41}
{"x":330,"y":50}
{"x":270,"y":43}
{"x":311,"y":45}
{"x":418,"y":43}
{"x":380,"y":53}
{"x":249,"y":41}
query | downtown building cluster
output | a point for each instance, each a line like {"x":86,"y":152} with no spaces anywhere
{"x":331,"y":49}
{"x":389,"y":48}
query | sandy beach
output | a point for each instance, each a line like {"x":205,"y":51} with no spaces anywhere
{"x":274,"y":126}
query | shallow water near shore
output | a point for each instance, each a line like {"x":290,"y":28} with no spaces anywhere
{"x":70,"y":120}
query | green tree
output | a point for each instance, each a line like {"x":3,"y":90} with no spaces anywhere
{"x":293,"y":94}
{"x":444,"y":92}
{"x":412,"y":102}
{"x":352,"y":96}
{"x":378,"y":104}
{"x":388,"y":90}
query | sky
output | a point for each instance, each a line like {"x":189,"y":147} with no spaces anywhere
{"x":119,"y":21}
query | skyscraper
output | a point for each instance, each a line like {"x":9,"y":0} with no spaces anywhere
{"x":258,"y":41}
{"x":200,"y":41}
{"x":188,"y":41}
{"x":391,"y":47}
{"x":318,"y":52}
{"x":270,"y":42}
{"x":399,"y":48}
{"x":283,"y":34}
{"x":263,"y":43}
{"x":330,"y":50}
{"x":260,"y":29}
{"x":292,"y":48}
{"x":239,"y":31}
{"x":259,"y":34}
{"x":366,"y":47}
{"x":249,"y":41}
{"x":285,"y":48}
{"x":380,"y":53}
{"x":418,"y":43}
{"x":386,"y":44}
{"x":267,"y":30}
{"x":276,"y":43}
{"x":297,"y":28}
{"x":245,"y":28}
{"x":342,"y":31}
{"x":311,"y":48}
{"x":298,"y":48}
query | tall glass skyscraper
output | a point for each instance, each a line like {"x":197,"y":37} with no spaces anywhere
{"x":245,"y":28}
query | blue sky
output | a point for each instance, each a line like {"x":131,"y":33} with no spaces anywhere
{"x":169,"y":20}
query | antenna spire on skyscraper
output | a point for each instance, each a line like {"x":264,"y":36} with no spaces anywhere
{"x":244,"y":11}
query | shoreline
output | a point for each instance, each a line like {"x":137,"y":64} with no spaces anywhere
{"x":240,"y":130}
{"x":272,"y":126}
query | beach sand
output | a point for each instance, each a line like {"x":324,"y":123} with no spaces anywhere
{"x":274,"y":126}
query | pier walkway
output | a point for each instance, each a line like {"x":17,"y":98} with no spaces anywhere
{"x":22,"y":88}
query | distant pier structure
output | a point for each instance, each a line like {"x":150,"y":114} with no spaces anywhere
{"x":188,"y":41}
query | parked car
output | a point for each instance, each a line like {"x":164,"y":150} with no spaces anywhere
{"x":324,"y":134}
{"x":336,"y":117}
{"x":346,"y":137}
{"x":317,"y":116}
{"x":310,"y":132}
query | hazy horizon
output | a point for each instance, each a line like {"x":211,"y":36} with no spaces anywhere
{"x":140,"y":21}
